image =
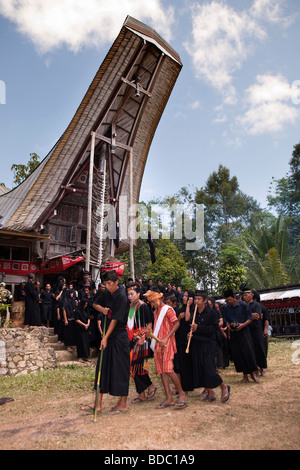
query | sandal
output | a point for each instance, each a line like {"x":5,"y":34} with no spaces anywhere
{"x":180,"y":404}
{"x":89,"y":409}
{"x":225,"y":398}
{"x":213,"y":398}
{"x":151,"y":394}
{"x":116,"y":412}
{"x":164,"y":405}
{"x":138,"y":400}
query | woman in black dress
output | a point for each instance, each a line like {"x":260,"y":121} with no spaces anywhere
{"x":203,"y":348}
{"x":182,"y":360}
{"x":69,"y":315}
{"x":82,"y":319}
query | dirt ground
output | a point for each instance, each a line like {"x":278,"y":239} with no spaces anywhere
{"x":262,"y":416}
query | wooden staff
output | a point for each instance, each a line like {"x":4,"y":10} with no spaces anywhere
{"x":99,"y":374}
{"x":149,"y":333}
{"x":190,"y":336}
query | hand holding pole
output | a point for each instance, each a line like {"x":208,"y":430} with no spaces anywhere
{"x":190,"y":334}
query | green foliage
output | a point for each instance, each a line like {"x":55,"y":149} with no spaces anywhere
{"x":284,"y":195}
{"x":241,"y":239}
{"x":188,"y":283}
{"x":272,"y":258}
{"x":141,"y":260}
{"x":21,"y":172}
{"x":286,"y":199}
{"x":226,"y":206}
{"x":170,"y":265}
{"x":232,"y":272}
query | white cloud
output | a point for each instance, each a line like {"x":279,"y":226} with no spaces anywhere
{"x":220,"y":119}
{"x":49,"y":24}
{"x":195,"y":105}
{"x":224,"y":38}
{"x":235,"y":142}
{"x":270,"y":105}
{"x":221,"y":41}
{"x":271,"y":11}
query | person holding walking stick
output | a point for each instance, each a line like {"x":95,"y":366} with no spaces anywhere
{"x":115,"y":363}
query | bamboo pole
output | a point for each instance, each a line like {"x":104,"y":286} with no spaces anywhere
{"x":131,"y":234}
{"x":89,"y":211}
{"x":191,"y":334}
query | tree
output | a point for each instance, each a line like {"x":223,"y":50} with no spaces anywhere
{"x":227,"y":207}
{"x":228,"y":212}
{"x":286,"y":198}
{"x":232,"y":272}
{"x":141,"y":260}
{"x":284,"y":194}
{"x":21,"y":172}
{"x":272,"y":259}
{"x":170,"y":265}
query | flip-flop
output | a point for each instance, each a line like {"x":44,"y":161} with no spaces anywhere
{"x":152,"y":394}
{"x":138,"y":400}
{"x":116,"y":412}
{"x":87,"y":408}
{"x":210,"y":399}
{"x":225,"y":397}
{"x":180,"y":404}
{"x":164,"y":405}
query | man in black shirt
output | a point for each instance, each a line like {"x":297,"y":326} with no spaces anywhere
{"x":238,"y":317}
{"x":203,"y":348}
{"x":256,"y":330}
{"x":115,"y":371}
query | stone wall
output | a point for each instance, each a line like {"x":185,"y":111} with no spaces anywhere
{"x":23,"y":351}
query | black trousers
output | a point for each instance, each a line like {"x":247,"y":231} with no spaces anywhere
{"x":115,"y":373}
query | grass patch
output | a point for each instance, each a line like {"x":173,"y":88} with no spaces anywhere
{"x":50,"y":381}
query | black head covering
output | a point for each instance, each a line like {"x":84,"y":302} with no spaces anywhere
{"x":109,"y":276}
{"x":191,"y":293}
{"x":228,"y":293}
{"x":201,"y":293}
{"x":170,"y":296}
{"x":135,"y":286}
{"x":245,"y":288}
{"x":256,"y":295}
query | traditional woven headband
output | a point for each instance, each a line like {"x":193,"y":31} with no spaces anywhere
{"x":152,"y":295}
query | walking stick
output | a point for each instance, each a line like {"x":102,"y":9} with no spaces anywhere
{"x":190,"y":336}
{"x":99,"y":374}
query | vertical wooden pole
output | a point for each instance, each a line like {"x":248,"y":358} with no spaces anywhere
{"x":89,"y":209}
{"x":130,"y":233}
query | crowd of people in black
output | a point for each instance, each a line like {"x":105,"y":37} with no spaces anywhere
{"x":240,"y":324}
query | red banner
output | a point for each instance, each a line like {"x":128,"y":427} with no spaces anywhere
{"x":18,"y":268}
{"x":23,"y":268}
{"x":61,"y":263}
{"x":118,"y":267}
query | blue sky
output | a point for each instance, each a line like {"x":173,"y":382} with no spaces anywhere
{"x":236,"y":101}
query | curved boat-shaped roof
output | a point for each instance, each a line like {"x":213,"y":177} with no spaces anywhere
{"x":124,"y":102}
